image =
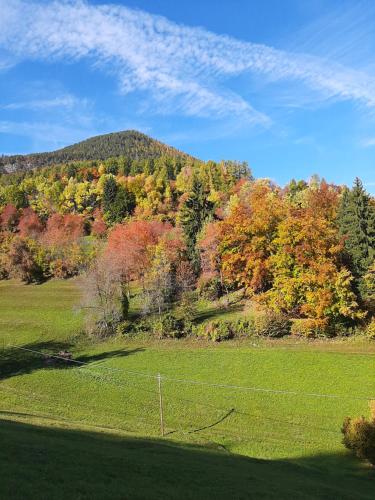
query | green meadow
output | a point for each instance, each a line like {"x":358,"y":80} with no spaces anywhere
{"x":241,"y":419}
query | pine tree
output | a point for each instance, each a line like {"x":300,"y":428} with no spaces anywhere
{"x":110,"y":189}
{"x":118,"y":201}
{"x":195,"y":211}
{"x":356,"y":220}
{"x":123,"y":205}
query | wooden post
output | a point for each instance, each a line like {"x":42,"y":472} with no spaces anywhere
{"x":161,"y":406}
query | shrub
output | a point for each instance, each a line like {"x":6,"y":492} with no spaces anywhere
{"x":359,"y":436}
{"x":210,"y":289}
{"x":370,"y":330}
{"x":271,"y":324}
{"x":310,"y":328}
{"x":243,"y":327}
{"x":216,"y":331}
{"x":168,"y":326}
{"x":220,"y":330}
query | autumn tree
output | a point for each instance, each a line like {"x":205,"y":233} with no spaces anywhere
{"x":309,"y":279}
{"x":9,"y":218}
{"x":104,"y":301}
{"x":247,"y":237}
{"x":130,"y":247}
{"x":98,"y":226}
{"x":26,"y":260}
{"x":30,"y":224}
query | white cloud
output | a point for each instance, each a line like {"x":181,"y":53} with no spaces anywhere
{"x":46,"y":135}
{"x":66,"y":101}
{"x":368,"y":143}
{"x":184,"y":68}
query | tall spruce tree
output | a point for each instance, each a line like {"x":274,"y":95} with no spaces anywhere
{"x":110,"y":189}
{"x":195,"y":211}
{"x":118,"y":201}
{"x":356,"y":220}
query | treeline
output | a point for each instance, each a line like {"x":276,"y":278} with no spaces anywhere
{"x":177,"y":226}
{"x":131,"y":144}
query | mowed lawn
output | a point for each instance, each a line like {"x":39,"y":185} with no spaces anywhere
{"x":241,"y":420}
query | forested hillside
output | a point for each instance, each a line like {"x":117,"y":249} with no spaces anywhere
{"x":178,"y":229}
{"x":131,"y":144}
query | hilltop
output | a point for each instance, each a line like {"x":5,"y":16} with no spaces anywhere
{"x":129,"y":143}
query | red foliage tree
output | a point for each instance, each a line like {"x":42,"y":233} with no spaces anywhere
{"x":29,"y":224}
{"x":63,"y":229}
{"x":98,"y":227}
{"x":130,"y":244}
{"x":9,"y":218}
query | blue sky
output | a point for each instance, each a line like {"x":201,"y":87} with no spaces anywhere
{"x":288,"y":86}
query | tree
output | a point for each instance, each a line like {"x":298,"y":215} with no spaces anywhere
{"x":103,"y":298}
{"x":98,"y":226}
{"x":26,"y":260}
{"x":9,"y":218}
{"x":160,"y":286}
{"x":308,"y":278}
{"x":118,"y":201}
{"x":247,"y":237}
{"x":30,"y":224}
{"x":195,"y":211}
{"x":356,"y":222}
{"x":62,"y":230}
{"x":110,"y":188}
{"x":130,"y":247}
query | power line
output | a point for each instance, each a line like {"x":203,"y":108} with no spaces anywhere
{"x":82,"y":363}
{"x":208,"y":384}
{"x":272,"y":391}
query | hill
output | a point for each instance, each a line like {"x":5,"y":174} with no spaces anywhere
{"x":129,"y":143}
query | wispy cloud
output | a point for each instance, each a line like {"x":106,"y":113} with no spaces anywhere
{"x":46,"y":135}
{"x":66,"y":101}
{"x":185,"y":68}
{"x":368,"y":143}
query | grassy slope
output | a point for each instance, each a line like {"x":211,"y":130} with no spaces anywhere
{"x":304,"y":430}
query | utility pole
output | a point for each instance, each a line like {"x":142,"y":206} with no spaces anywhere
{"x":161,"y":405}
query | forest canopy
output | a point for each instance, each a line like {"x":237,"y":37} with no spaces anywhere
{"x":174,"y":224}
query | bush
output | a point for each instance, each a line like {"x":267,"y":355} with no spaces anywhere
{"x":359,"y":437}
{"x":271,"y":324}
{"x":216,"y":331}
{"x":168,"y":326}
{"x":220,"y":330}
{"x":370,"y":330}
{"x":310,"y":328}
{"x":210,"y":289}
{"x":243,"y":327}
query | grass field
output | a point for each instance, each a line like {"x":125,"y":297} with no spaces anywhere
{"x":92,"y":430}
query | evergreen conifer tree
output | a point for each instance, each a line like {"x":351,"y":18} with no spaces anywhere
{"x":196,"y":210}
{"x":356,"y":220}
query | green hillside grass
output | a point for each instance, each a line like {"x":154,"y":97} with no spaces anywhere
{"x":60,"y":410}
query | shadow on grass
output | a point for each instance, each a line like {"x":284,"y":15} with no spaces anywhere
{"x":215,"y":312}
{"x":49,"y":462}
{"x":20,"y":360}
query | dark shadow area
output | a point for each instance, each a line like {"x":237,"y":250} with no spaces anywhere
{"x":20,"y":360}
{"x":217,"y":422}
{"x":49,"y":462}
{"x":119,"y":353}
{"x":213,"y":313}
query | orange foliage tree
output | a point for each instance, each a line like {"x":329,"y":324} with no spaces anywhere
{"x":247,"y":234}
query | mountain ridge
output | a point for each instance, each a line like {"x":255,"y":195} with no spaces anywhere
{"x":132,"y":144}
